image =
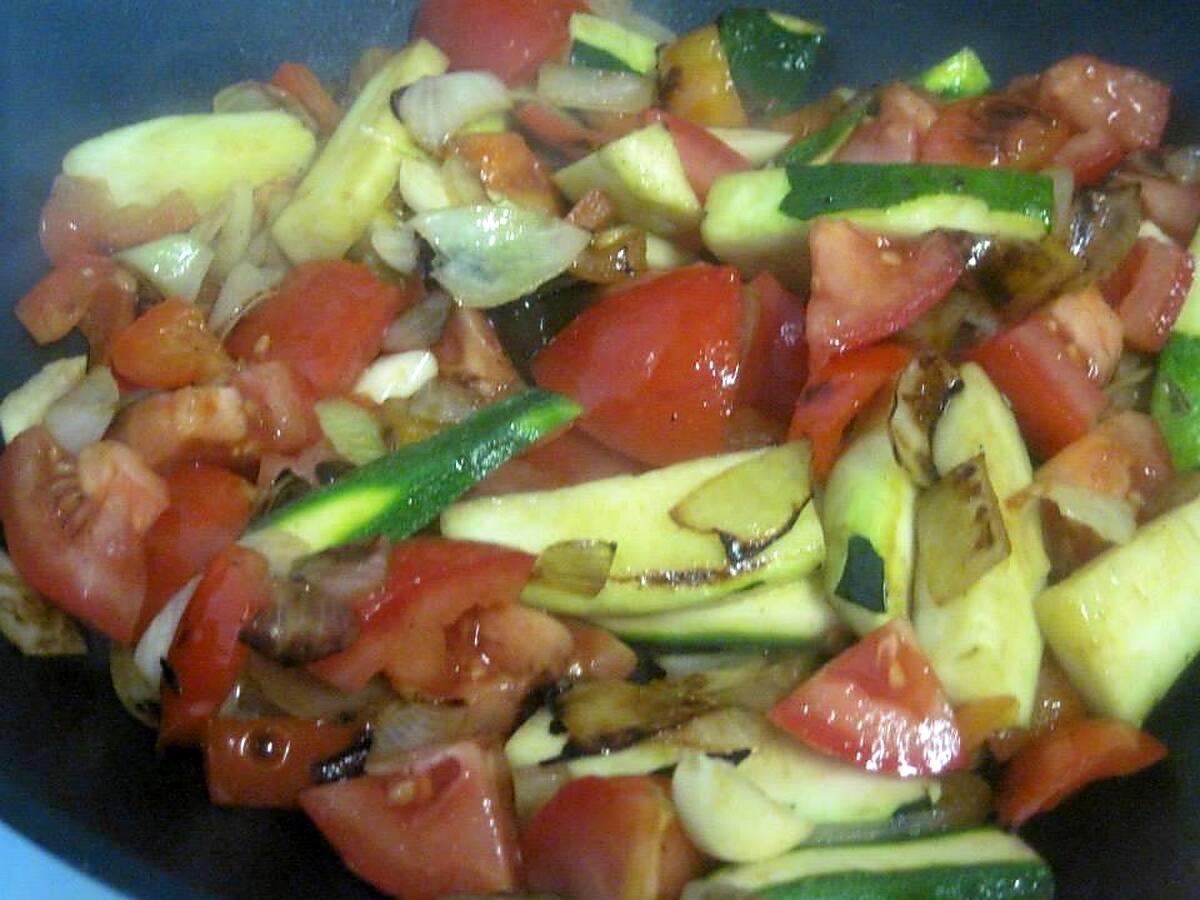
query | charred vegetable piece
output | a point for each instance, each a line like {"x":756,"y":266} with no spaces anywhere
{"x":402,"y":492}
{"x":924,"y":388}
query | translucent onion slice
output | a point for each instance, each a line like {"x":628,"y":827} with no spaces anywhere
{"x":243,"y":287}
{"x":294,"y":691}
{"x":922,"y":391}
{"x":27,"y":405}
{"x":354,"y":433}
{"x":151,"y":651}
{"x":404,"y":725}
{"x":600,"y":90}
{"x":489,"y":255}
{"x":175,"y":265}
{"x":395,"y":242}
{"x":139,"y":697}
{"x":82,"y":415}
{"x":34,"y":626}
{"x":435,"y":107}
{"x":397,"y":375}
{"x":419,"y":327}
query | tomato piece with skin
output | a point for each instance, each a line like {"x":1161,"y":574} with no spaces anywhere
{"x":600,"y":838}
{"x":470,"y":353}
{"x":507,"y":166}
{"x":75,"y":528}
{"x":831,"y":400}
{"x":1055,"y":703}
{"x":1172,"y":206}
{"x":1089,"y":93}
{"x":994,"y":131}
{"x":431,"y":583}
{"x":511,"y":38}
{"x":895,"y":135}
{"x":278,"y":406}
{"x":169,"y":346}
{"x":80,"y":217}
{"x":302,"y":83}
{"x":268,"y":762}
{"x":190,"y":424}
{"x":209,"y":509}
{"x":775,"y":361}
{"x":879,"y":706}
{"x":326,"y":321}
{"x":1090,"y":155}
{"x":705,"y":156}
{"x":866,"y":286}
{"x":654,"y":365}
{"x":1058,"y":763}
{"x":597,"y":654}
{"x":61,"y":300}
{"x":549,"y":125}
{"x":443,"y":824}
{"x":207,"y":654}
{"x":1148,"y":291}
{"x":1051,"y":395}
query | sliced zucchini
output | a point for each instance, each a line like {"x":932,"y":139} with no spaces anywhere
{"x":659,"y":563}
{"x":202,"y":155}
{"x":789,"y":614}
{"x":643,"y":175}
{"x":818,"y":148}
{"x":744,"y":226}
{"x":1175,"y":398}
{"x":980,"y":862}
{"x":402,"y":492}
{"x":912,"y":199}
{"x":867,"y":511}
{"x":604,"y":44}
{"x":957,"y":77}
{"x":758,"y":146}
{"x":358,"y":167}
{"x":1126,"y":624}
{"x":985,"y":641}
{"x":771,"y":56}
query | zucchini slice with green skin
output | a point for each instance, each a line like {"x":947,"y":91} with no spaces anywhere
{"x":912,"y":199}
{"x":1175,"y":399}
{"x":792,"y":614}
{"x":398,"y":494}
{"x":979,"y":862}
{"x":770,"y":57}
{"x":818,"y":148}
{"x":957,"y":77}
{"x":598,"y":43}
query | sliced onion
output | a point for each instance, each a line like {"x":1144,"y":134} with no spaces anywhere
{"x":1104,"y":226}
{"x":420,"y":326}
{"x":348,"y":572}
{"x":435,"y":107}
{"x":925,"y":386}
{"x":139,"y":697}
{"x":82,"y":415}
{"x":175,"y":265}
{"x":27,"y":405}
{"x":397,"y":375}
{"x":404,"y":725}
{"x":257,"y":96}
{"x":1110,"y":517}
{"x":297,"y":693}
{"x":151,"y":650}
{"x":396,"y":243}
{"x":489,"y":255}
{"x":233,"y":240}
{"x":244,"y":286}
{"x":301,"y":625}
{"x":1183,"y":164}
{"x":1064,"y":191}
{"x":355,"y":434}
{"x":34,"y":626}
{"x":601,"y":90}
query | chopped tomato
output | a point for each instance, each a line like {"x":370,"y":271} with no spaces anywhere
{"x":80,"y":217}
{"x":1171,"y":205}
{"x":705,"y":156}
{"x":1058,"y":763}
{"x":1091,"y":331}
{"x":696,"y":82}
{"x":1051,"y":395}
{"x":268,"y":762}
{"x":187,"y":425}
{"x":600,"y":838}
{"x":597,"y":654}
{"x":278,"y":406}
{"x":994,"y":131}
{"x":1148,"y":291}
{"x":522,"y":641}
{"x":509,"y":37}
{"x":469,"y":352}
{"x":302,"y":83}
{"x":74,"y":528}
{"x":508,"y":167}
{"x":206,"y":655}
{"x":1055,"y":703}
{"x":549,"y":125}
{"x":59,"y":302}
{"x":831,"y":399}
{"x":326,"y":321}
{"x":1090,"y":155}
{"x":980,"y":719}
{"x":431,"y":583}
{"x":209,"y":509}
{"x":443,"y":825}
{"x":654,"y":365}
{"x":877,"y":705}
{"x":169,"y":346}
{"x":570,"y":458}
{"x":866,"y":286}
{"x":1090,"y":93}
{"x":775,"y":361}
{"x":895,"y":134}
{"x":594,"y":210}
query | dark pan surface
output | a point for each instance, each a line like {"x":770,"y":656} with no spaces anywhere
{"x":80,"y":777}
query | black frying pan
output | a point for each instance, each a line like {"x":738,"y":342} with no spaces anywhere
{"x":80,"y":777}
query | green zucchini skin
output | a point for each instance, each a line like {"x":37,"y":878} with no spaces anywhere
{"x":957,"y":77}
{"x":994,"y":881}
{"x":844,"y":187}
{"x":398,"y":494}
{"x":597,"y":58}
{"x":770,"y":62}
{"x":818,"y":147}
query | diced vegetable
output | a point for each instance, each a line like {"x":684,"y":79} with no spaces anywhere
{"x":175,"y":265}
{"x":27,"y":405}
{"x":957,"y":76}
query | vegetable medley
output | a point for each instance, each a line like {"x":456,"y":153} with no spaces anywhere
{"x":583,"y":460}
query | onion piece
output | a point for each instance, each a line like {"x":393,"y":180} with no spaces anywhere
{"x":139,"y":697}
{"x":1104,"y":226}
{"x":1110,"y":517}
{"x":1064,"y":192}
{"x":28,"y":404}
{"x":922,"y":391}
{"x":150,"y":655}
{"x":599,"y":90}
{"x":1183,"y":164}
{"x":419,"y":327}
{"x":397,"y":375}
{"x":233,"y":239}
{"x":435,"y":107}
{"x":244,"y":286}
{"x":34,"y":626}
{"x":489,"y":255}
{"x":82,"y":415}
{"x":176,"y":264}
{"x":258,"y":96}
{"x":354,"y":433}
{"x":395,"y":242}
{"x":297,"y":693}
{"x":405,"y":725}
